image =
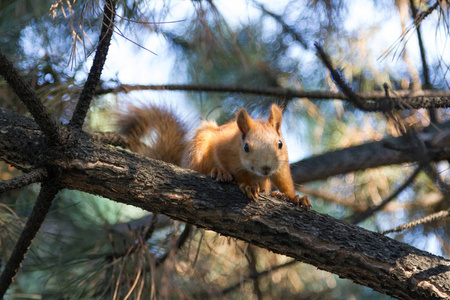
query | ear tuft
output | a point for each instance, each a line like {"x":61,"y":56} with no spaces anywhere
{"x":275,"y":117}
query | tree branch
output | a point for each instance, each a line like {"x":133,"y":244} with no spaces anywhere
{"x":178,"y":244}
{"x":255,"y":275}
{"x":425,"y":70}
{"x":402,"y":99}
{"x":44,"y":201}
{"x":331,"y":198}
{"x":26,"y":179}
{"x":30,"y":99}
{"x":252,"y":259}
{"x":269,"y":91}
{"x":387,"y":104}
{"x":372,"y":210}
{"x":369,"y":155}
{"x":430,"y":218}
{"x":93,"y":79}
{"x":112,"y":138}
{"x":365,"y":257}
{"x":286,"y":27}
{"x":336,"y":76}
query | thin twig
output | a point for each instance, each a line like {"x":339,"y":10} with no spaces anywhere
{"x":431,"y":218}
{"x":357,"y":101}
{"x":26,"y":179}
{"x":331,"y":198}
{"x":93,"y":79}
{"x":372,"y":210}
{"x":425,"y":70}
{"x":415,"y":13}
{"x":133,"y":249}
{"x":252,"y":261}
{"x":179,"y":243}
{"x":37,"y":217}
{"x":286,"y":27}
{"x":256,"y":275}
{"x":12,"y":212}
{"x":151,"y":228}
{"x":30,"y":99}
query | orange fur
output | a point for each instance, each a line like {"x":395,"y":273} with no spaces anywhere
{"x":246,"y":150}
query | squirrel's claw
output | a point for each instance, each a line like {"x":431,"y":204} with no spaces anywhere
{"x":251,"y":191}
{"x":303,"y":201}
{"x":297,"y":200}
{"x":220,"y":175}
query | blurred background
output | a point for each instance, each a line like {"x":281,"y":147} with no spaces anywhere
{"x":94,"y":248}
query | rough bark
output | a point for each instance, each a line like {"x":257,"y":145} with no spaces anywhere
{"x":365,"y":257}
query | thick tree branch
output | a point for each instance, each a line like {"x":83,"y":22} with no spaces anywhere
{"x":44,"y":201}
{"x":369,"y":155}
{"x":365,"y":257}
{"x":79,"y":115}
{"x":111,"y":138}
{"x":30,"y":99}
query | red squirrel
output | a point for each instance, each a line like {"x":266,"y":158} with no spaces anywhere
{"x":250,"y":152}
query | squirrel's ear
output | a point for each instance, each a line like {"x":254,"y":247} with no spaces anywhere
{"x":275,"y":117}
{"x":244,"y":122}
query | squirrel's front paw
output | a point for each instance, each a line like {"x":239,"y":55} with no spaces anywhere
{"x":220,"y":175}
{"x":297,"y":200}
{"x":250,"y":191}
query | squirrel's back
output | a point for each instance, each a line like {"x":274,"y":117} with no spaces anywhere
{"x":200,"y":154}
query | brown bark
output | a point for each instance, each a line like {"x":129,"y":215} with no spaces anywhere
{"x":365,"y":257}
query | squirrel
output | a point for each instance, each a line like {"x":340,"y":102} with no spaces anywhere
{"x":250,"y":152}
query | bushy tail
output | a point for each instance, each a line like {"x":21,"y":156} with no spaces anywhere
{"x":162,"y":132}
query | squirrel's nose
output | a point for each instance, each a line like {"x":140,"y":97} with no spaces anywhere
{"x":266,"y":170}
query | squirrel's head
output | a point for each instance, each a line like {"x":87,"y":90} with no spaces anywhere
{"x":263,"y":150}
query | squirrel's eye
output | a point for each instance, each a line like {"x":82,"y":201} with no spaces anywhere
{"x":280,"y":144}
{"x":246,"y":148}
